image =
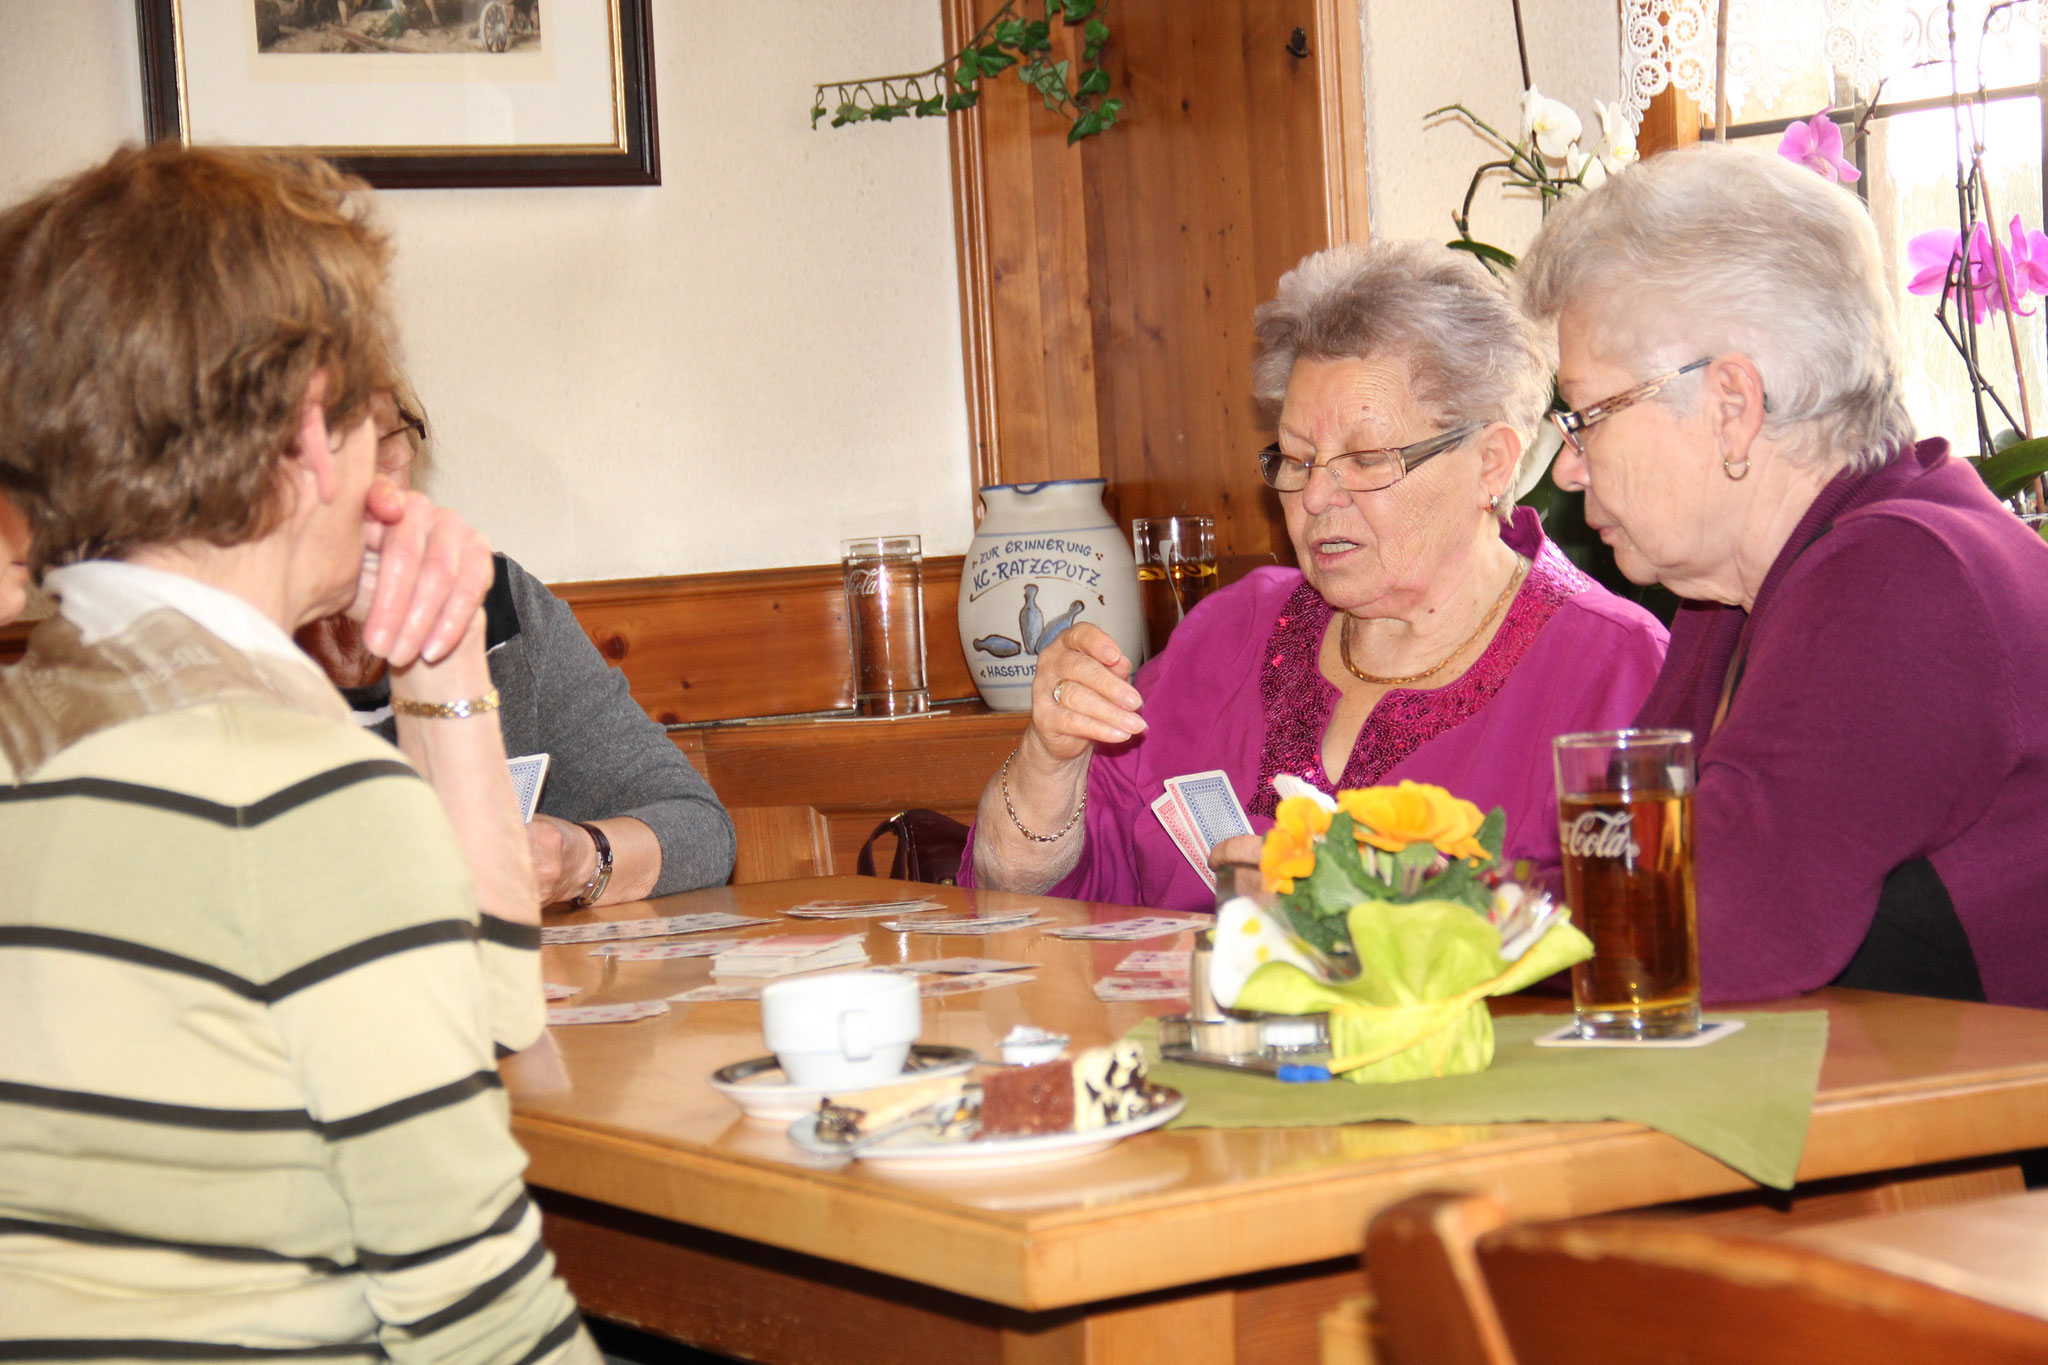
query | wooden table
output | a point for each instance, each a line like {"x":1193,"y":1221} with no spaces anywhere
{"x":668,"y":1209}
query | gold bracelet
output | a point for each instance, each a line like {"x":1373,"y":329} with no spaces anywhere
{"x":1033,"y":835}
{"x":461,"y":709}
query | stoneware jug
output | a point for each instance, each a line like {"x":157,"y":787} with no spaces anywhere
{"x":1045,"y":556}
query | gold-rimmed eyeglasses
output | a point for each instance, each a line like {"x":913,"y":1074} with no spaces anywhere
{"x":1574,"y":422}
{"x":1359,"y":471}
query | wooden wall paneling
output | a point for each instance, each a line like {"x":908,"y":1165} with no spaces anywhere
{"x":1340,"y":62}
{"x":763,"y":642}
{"x":1672,"y":120}
{"x":777,"y":843}
{"x":1214,"y":186}
{"x":855,"y":774}
{"x":1025,"y":318}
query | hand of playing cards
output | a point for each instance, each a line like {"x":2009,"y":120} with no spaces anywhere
{"x":1200,"y":811}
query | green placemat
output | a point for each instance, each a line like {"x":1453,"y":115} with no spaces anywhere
{"x":1744,"y":1100}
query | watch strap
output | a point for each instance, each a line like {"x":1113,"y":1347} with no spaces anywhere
{"x":601,"y":878}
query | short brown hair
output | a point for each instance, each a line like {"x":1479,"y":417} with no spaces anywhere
{"x":161,"y":316}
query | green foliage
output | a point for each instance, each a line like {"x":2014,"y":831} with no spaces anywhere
{"x":2013,"y":468}
{"x":1007,"y":40}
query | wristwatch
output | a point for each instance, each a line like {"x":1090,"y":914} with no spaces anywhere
{"x":601,"y":878}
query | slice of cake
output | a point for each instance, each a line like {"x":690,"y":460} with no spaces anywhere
{"x":860,"y":1114}
{"x":1101,"y":1086}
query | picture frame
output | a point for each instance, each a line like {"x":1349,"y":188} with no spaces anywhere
{"x":510,"y":93}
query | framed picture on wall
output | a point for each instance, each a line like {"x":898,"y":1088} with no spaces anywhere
{"x":413,"y":94}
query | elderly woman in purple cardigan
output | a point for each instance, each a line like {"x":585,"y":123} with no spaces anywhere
{"x":1431,"y":631}
{"x":1863,"y":654}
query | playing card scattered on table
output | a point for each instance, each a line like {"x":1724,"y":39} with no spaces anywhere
{"x":1148,"y":926}
{"x":1141,"y":987}
{"x":555,"y":990}
{"x":966,"y":924}
{"x":787,"y":954}
{"x":646,"y":928}
{"x":655,"y":952}
{"x":956,"y":966}
{"x":1170,"y":962}
{"x":697,"y":995}
{"x":976,"y":981}
{"x":606,"y":1014}
{"x":860,"y":909}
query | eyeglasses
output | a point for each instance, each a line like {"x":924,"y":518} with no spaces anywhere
{"x":407,"y":421}
{"x":1572,"y":423}
{"x":1359,"y":471}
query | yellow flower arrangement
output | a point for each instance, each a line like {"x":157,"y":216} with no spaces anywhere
{"x":1392,"y":818}
{"x":1389,"y":916}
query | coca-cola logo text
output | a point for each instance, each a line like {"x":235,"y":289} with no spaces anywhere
{"x":1601,"y":834}
{"x":864,"y":582}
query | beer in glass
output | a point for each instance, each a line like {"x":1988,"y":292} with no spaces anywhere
{"x":1625,"y":827}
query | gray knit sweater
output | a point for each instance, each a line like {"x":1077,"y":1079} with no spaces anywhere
{"x":606,"y":757}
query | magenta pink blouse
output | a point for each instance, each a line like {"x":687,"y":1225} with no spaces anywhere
{"x":1239,"y":689}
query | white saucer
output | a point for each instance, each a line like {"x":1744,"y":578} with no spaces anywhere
{"x":759,"y":1088}
{"x":919,"y":1152}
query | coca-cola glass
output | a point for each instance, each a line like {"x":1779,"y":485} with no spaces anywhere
{"x":1625,"y":824}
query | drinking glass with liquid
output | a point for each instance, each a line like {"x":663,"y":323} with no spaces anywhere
{"x":1176,"y":569}
{"x":1625,"y":826}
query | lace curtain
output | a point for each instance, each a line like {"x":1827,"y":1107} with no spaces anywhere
{"x":1775,"y":44}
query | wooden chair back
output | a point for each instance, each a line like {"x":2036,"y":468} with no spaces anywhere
{"x":1659,"y":1291}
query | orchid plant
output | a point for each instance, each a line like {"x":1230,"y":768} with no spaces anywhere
{"x":1549,"y":157}
{"x":1970,"y":271}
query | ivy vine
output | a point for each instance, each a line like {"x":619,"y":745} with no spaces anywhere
{"x":1005,"y":41}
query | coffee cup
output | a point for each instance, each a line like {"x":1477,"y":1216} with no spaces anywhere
{"x":842,"y":1029}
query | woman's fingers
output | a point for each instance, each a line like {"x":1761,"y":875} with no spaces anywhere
{"x":1082,"y":695}
{"x":432,"y":572}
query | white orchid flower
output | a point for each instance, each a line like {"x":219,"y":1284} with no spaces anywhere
{"x":1553,"y":123}
{"x":1617,"y":140}
{"x":1589,"y":170}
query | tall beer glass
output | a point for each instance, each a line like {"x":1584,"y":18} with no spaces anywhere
{"x":1625,"y":825}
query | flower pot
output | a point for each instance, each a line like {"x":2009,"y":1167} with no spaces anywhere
{"x":1045,"y":556}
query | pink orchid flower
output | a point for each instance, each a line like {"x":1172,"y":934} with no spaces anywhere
{"x":1817,"y":144}
{"x":2028,"y":265}
{"x":1935,"y":253}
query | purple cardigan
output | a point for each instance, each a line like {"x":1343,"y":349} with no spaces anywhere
{"x":1891,"y":705}
{"x":1239,"y":689}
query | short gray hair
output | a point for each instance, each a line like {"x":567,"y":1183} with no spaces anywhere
{"x":1713,"y":249}
{"x":1472,"y":357}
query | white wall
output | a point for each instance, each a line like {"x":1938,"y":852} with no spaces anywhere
{"x":730,"y":371}
{"x":1420,"y":57}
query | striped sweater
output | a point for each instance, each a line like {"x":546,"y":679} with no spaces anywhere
{"x":249,"y":1105}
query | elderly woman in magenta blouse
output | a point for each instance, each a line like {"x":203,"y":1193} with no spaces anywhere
{"x":1431,"y":632}
{"x":1863,"y":656}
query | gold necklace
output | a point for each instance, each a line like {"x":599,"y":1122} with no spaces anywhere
{"x":1492,"y":614}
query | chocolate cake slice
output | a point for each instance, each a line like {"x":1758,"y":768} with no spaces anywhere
{"x":1022,"y":1101}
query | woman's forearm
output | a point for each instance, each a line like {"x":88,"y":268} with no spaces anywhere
{"x":464,"y":761}
{"x":1045,"y":797}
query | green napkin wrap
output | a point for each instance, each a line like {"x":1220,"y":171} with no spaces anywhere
{"x":1744,"y":1099}
{"x":1418,"y":1009}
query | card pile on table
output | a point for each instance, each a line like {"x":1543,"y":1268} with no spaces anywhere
{"x":606,"y":930}
{"x":656,"y":952}
{"x":606,"y":1014}
{"x":785,"y":954}
{"x":1146,"y":926}
{"x":860,"y":909}
{"x":1141,"y":986}
{"x":1200,"y":811}
{"x":967,"y":924}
